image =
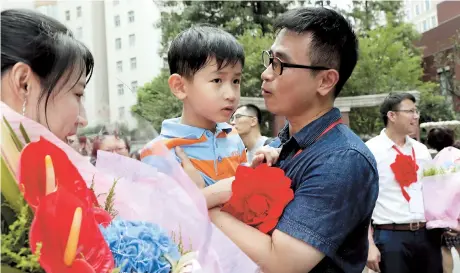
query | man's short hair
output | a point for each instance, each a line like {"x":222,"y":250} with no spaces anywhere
{"x":254,"y":110}
{"x":193,"y":49}
{"x":333,"y":41}
{"x":391,"y":103}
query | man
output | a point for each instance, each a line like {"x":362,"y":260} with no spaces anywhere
{"x":398,"y":241}
{"x":247,"y":120}
{"x":334,"y":175}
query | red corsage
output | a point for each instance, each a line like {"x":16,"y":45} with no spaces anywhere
{"x":405,"y":170}
{"x":259,"y":196}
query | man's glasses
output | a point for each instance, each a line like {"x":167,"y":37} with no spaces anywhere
{"x":278,"y":66}
{"x":411,"y":111}
{"x":238,"y":116}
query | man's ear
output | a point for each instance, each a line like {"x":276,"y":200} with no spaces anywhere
{"x":391,"y":116}
{"x":177,"y":86}
{"x":329,"y":79}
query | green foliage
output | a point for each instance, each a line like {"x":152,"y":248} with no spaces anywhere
{"x":110,"y":201}
{"x":15,"y":250}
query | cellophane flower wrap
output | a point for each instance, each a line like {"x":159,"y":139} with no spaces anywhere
{"x":160,"y":204}
{"x":441,"y":189}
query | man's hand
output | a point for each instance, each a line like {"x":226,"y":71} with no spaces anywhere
{"x":265,"y":153}
{"x":373,"y":257}
{"x":219,"y":193}
{"x":189,"y":169}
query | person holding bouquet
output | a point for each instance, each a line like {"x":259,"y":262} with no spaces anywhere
{"x":332,"y":174}
{"x":439,"y":139}
{"x":399,"y":241}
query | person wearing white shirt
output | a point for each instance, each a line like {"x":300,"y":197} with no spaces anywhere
{"x":247,"y":120}
{"x":398,"y":239}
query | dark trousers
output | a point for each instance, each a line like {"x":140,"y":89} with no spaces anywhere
{"x":409,"y":251}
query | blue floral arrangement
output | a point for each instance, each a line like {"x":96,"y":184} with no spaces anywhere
{"x":140,"y":246}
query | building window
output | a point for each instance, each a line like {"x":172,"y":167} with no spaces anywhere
{"x":79,"y":33}
{"x":117,"y":20}
{"x":120,"y":89}
{"x":133,"y":63}
{"x":165,"y":63}
{"x":134,"y":86}
{"x":121,"y":112}
{"x":119,"y":66}
{"x":67,"y":15}
{"x":116,"y":2}
{"x":131,"y":16}
{"x":78,"y":11}
{"x":132,"y":40}
{"x":425,"y":25}
{"x":417,"y":9}
{"x":118,"y":43}
{"x":434,"y":21}
{"x":427,"y":4}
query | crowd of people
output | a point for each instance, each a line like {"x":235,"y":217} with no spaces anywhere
{"x":350,"y":206}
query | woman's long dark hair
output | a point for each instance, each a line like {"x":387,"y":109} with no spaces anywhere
{"x":46,"y":45}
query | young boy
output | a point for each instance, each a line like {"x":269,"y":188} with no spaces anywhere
{"x":206,"y":65}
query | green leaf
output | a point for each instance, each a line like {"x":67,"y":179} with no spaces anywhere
{"x":10,"y":190}
{"x":15,"y":138}
{"x":8,"y":269}
{"x":24,"y":133}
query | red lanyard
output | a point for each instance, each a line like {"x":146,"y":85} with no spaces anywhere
{"x":330,"y":127}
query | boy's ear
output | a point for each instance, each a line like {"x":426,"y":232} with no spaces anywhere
{"x":177,"y":87}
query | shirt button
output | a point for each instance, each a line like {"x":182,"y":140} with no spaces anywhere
{"x":219,"y":159}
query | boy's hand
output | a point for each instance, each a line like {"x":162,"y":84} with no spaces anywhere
{"x":189,"y":169}
{"x":266,"y":153}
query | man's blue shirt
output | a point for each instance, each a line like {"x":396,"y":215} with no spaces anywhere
{"x":335,"y":183}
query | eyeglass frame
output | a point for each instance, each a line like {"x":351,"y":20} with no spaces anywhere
{"x":238,"y":116}
{"x":289,"y":65}
{"x":411,"y":111}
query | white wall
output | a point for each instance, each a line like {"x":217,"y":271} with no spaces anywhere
{"x":423,"y":14}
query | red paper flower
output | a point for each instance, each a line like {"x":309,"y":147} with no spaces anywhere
{"x":52,"y":228}
{"x":259,"y":196}
{"x":405,"y":170}
{"x":32,"y":175}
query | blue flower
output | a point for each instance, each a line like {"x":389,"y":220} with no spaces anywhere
{"x":140,"y":247}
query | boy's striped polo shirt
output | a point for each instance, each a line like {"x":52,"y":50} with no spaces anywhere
{"x":215,"y":154}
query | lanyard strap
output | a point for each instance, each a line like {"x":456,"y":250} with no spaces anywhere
{"x":330,"y":127}
{"x":413,"y":156}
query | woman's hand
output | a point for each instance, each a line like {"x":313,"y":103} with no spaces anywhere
{"x":266,"y":153}
{"x":219,"y":193}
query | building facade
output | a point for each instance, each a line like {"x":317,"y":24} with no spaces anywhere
{"x":423,"y":14}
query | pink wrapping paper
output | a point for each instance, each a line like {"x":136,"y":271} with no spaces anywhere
{"x":163,"y":195}
{"x":441,"y":193}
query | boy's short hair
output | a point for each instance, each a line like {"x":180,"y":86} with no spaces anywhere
{"x":391,"y":103}
{"x":193,"y":48}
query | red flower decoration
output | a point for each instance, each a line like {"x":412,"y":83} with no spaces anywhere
{"x":51,"y":227}
{"x":32,"y":176}
{"x":259,"y":196}
{"x":405,"y":170}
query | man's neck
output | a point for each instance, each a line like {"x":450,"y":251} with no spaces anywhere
{"x":250,"y":139}
{"x":192,"y":119}
{"x":398,"y":138}
{"x":296,"y":123}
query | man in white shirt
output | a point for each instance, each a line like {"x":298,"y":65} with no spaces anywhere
{"x":247,"y":120}
{"x":398,"y":239}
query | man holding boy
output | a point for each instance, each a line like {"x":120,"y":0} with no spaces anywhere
{"x":334,"y":175}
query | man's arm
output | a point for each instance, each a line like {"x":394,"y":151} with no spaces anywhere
{"x":278,"y":253}
{"x":338,"y":193}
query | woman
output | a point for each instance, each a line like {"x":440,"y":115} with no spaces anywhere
{"x":110,"y":143}
{"x":440,"y":138}
{"x":44,"y":71}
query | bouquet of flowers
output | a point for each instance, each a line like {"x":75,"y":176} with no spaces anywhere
{"x":441,"y":190}
{"x":61,"y":214}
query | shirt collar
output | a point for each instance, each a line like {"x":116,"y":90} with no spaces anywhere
{"x":308,"y":134}
{"x":173,"y":128}
{"x":388,"y":143}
